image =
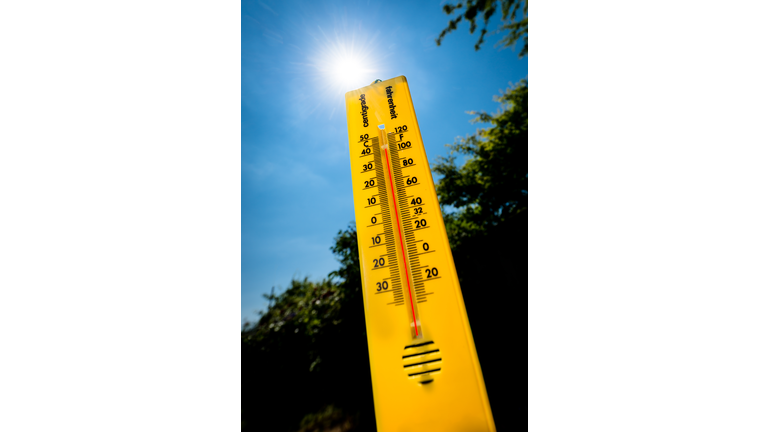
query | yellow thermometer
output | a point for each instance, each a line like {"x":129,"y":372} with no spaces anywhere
{"x":424,"y":366}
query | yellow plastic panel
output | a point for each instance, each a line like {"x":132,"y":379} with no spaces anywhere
{"x":424,"y":367}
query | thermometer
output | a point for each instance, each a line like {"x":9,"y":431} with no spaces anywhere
{"x":424,"y":366}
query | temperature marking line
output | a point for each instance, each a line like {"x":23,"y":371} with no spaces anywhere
{"x":397,"y":217}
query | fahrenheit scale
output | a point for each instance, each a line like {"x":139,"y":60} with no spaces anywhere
{"x":424,"y":366}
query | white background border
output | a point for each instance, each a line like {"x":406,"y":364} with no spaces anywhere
{"x":648,"y":237}
{"x":120,"y":221}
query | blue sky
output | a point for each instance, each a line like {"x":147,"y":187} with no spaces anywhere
{"x":298,"y":59}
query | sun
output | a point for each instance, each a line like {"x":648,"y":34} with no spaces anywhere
{"x":340,"y":61}
{"x":347,"y":63}
{"x":348,"y":70}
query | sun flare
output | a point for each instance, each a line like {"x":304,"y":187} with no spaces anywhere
{"x":347,"y":64}
{"x":341,"y":61}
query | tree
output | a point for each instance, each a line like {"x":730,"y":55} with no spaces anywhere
{"x":490,"y":189}
{"x":305,"y":363}
{"x":515,"y":29}
{"x":488,"y":233}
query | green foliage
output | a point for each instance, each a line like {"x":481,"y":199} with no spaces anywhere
{"x":488,"y":233}
{"x":308,"y":354}
{"x":473,"y":9}
{"x":303,"y":315}
{"x":329,"y":418}
{"x":490,"y":188}
{"x":345,"y":249}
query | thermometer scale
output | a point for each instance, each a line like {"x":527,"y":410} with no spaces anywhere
{"x":424,"y":366}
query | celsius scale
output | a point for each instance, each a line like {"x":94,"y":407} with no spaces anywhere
{"x":424,"y":366}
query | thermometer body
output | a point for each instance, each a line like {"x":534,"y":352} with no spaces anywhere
{"x":424,"y":366}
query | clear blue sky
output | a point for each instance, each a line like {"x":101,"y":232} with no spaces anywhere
{"x":296,"y":181}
